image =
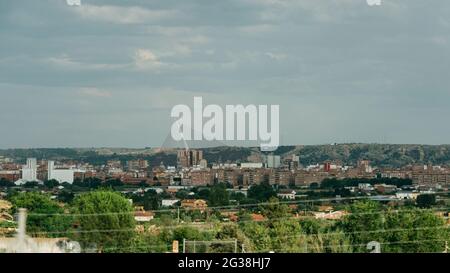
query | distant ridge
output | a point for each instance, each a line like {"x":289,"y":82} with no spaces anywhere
{"x":394,"y":155}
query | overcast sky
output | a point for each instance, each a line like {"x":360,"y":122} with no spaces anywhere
{"x":108,"y":72}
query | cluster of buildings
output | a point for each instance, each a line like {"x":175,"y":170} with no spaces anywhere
{"x":193,"y":170}
{"x":34,"y":171}
{"x":289,"y":172}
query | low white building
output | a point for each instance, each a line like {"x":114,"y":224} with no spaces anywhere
{"x":169,"y":202}
{"x":250,"y":165}
{"x":60,"y":175}
{"x":156,"y":189}
{"x":365,"y":187}
{"x":141,"y":215}
{"x":405,"y":195}
{"x":287,"y":194}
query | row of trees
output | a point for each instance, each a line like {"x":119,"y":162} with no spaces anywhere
{"x":104,"y":220}
{"x":403,"y":230}
{"x":88,"y":183}
{"x":218,"y":194}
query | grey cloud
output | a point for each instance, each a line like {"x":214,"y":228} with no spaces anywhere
{"x":340,"y":70}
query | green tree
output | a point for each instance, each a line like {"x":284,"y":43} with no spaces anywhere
{"x":143,"y":184}
{"x":286,"y":236}
{"x":145,"y":243}
{"x":203,"y":194}
{"x":219,"y":195}
{"x":259,"y":235}
{"x":182,"y":194}
{"x":364,"y":223}
{"x":335,"y":242}
{"x":238,"y":196}
{"x":426,"y":200}
{"x":51,"y":183}
{"x":113,"y":183}
{"x":66,"y":196}
{"x":311,"y":226}
{"x":261,"y":192}
{"x":233,"y":232}
{"x":274,"y":210}
{"x":45,"y":217}
{"x":406,"y":230}
{"x":92,"y":183}
{"x":192,"y":234}
{"x":105,"y":220}
{"x":150,"y":200}
{"x":414,"y":231}
{"x":6,"y":183}
{"x":31,"y":184}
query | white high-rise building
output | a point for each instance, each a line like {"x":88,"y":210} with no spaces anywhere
{"x":273,"y":161}
{"x":29,"y":171}
{"x":203,"y":164}
{"x":60,"y":175}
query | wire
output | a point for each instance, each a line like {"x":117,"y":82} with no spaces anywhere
{"x":362,"y":245}
{"x":239,"y":222}
{"x":211,"y":208}
{"x":94,"y":231}
{"x":362,"y":232}
{"x":142,"y":246}
{"x":145,"y":247}
{"x":288,"y":236}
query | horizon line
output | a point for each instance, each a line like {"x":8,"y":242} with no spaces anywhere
{"x":218,"y":146}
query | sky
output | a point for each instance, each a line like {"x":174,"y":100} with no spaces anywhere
{"x":107,"y":73}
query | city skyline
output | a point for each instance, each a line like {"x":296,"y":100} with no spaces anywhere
{"x":107,"y":73}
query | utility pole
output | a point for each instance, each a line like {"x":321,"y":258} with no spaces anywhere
{"x":178,"y":217}
{"x":21,"y":231}
{"x":22,"y":221}
{"x":236,"y":246}
{"x":184,"y":245}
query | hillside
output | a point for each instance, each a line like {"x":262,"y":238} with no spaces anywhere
{"x":379,"y":154}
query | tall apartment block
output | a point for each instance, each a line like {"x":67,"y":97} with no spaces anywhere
{"x":189,"y":158}
{"x":29,"y":171}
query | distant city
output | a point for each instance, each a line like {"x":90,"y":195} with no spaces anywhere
{"x":252,"y":126}
{"x":192,"y":169}
{"x":216,"y":205}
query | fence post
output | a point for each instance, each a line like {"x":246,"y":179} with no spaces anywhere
{"x":21,"y":231}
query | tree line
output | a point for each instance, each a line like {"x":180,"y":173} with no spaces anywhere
{"x":104,"y":220}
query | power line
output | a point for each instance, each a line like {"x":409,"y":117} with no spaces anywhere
{"x":93,"y":231}
{"x":141,"y":246}
{"x":217,"y":207}
{"x":214,"y":208}
{"x":363,"y":231}
{"x":289,"y":236}
{"x":146,"y":247}
{"x":362,"y":245}
{"x":290,"y":217}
